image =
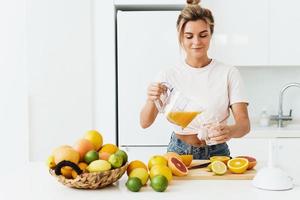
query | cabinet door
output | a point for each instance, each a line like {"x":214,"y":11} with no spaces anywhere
{"x":241,"y":31}
{"x":147,"y":43}
{"x":284,"y":32}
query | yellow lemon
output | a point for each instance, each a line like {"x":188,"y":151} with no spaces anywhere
{"x":95,"y":137}
{"x":157,"y":160}
{"x":140,"y":173}
{"x":135,"y":164}
{"x":238,"y":165}
{"x":161,"y":170}
{"x":218,"y":167}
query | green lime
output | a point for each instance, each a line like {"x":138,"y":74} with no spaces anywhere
{"x":90,"y":156}
{"x":134,"y":184}
{"x":124,"y":155}
{"x":115,"y":160}
{"x":159,"y":183}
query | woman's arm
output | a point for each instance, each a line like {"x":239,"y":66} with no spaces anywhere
{"x":149,"y":111}
{"x":239,"y":129}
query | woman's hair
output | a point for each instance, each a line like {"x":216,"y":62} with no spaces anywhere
{"x":193,"y":12}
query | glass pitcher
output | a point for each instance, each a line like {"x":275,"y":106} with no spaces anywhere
{"x":179,"y":110}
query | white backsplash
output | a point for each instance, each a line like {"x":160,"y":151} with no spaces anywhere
{"x":263,"y":85}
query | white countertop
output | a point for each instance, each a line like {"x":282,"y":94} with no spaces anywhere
{"x":290,"y":131}
{"x":35,"y":183}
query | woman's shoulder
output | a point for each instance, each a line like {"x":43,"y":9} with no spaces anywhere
{"x":219,"y":65}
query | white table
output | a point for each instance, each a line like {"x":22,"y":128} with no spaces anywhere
{"x":35,"y":183}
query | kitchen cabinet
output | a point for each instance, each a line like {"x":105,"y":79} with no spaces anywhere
{"x":284,"y":32}
{"x":241,"y":31}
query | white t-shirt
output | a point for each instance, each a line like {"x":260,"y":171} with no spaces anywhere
{"x":216,"y":86}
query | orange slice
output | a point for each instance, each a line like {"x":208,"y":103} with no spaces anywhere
{"x":238,"y":165}
{"x":187,"y":159}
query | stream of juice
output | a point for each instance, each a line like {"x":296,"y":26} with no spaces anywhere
{"x":182,"y":118}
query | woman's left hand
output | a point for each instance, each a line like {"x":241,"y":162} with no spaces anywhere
{"x":220,"y":134}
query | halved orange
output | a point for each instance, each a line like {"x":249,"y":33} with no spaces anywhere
{"x":224,"y":159}
{"x":187,"y":159}
{"x":238,"y":165}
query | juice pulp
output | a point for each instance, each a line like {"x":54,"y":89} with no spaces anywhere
{"x":182,"y":118}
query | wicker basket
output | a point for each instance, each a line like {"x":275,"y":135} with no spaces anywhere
{"x":93,"y":180}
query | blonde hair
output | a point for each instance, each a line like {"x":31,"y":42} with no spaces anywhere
{"x":193,"y":12}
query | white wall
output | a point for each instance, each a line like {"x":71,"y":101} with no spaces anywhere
{"x":60,"y":65}
{"x":13,"y":85}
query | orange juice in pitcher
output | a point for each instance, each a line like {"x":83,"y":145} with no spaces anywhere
{"x":182,"y":118}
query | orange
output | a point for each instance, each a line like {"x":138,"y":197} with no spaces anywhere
{"x":82,"y":166}
{"x":95,"y":137}
{"x":66,"y":171}
{"x":161,"y":170}
{"x":224,"y":159}
{"x":109,"y":148}
{"x":238,"y":165}
{"x":157,"y":160}
{"x":135,"y":164}
{"x":186,"y":159}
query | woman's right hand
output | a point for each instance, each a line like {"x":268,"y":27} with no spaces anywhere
{"x":155,"y":90}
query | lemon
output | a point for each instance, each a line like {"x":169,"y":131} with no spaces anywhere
{"x":140,"y":173}
{"x":134,"y":184}
{"x":161,"y":170}
{"x":95,"y":138}
{"x":50,"y":162}
{"x":157,"y":160}
{"x":224,"y":159}
{"x":159,"y":183}
{"x":99,"y":166}
{"x":218,"y":167}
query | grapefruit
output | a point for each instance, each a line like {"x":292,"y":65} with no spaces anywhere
{"x":252,"y":161}
{"x":83,"y":146}
{"x":177,"y":167}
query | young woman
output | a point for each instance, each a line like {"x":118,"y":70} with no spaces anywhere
{"x":216,"y":86}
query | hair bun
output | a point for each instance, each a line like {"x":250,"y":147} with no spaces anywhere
{"x":193,"y":2}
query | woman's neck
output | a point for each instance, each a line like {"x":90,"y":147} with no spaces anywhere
{"x":198,"y":62}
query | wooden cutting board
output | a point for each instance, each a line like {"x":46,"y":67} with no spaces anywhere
{"x":204,"y":174}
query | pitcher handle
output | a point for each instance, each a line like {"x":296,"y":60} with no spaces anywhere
{"x":163,"y":98}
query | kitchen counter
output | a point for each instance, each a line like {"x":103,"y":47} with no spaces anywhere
{"x":35,"y":183}
{"x":290,"y":131}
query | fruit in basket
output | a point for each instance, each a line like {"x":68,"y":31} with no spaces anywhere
{"x":82,"y":166}
{"x":252,"y":161}
{"x":224,"y":159}
{"x":238,"y":165}
{"x":187,"y":159}
{"x":161,"y":170}
{"x":218,"y":167}
{"x":157,"y":160}
{"x":104,"y":155}
{"x":115,"y":160}
{"x":135,"y":164}
{"x":134,"y":184}
{"x":159,"y":183}
{"x":177,"y":167}
{"x":109,"y":148}
{"x":123,"y":154}
{"x":91,"y":156}
{"x":83,"y":146}
{"x":50,"y":162}
{"x":95,"y":138}
{"x":140,"y":173}
{"x":65,"y":153}
{"x":65,"y":168}
{"x":99,"y":166}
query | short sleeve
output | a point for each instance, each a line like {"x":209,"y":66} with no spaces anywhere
{"x":236,"y":88}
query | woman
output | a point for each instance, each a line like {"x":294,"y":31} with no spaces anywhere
{"x":216,"y":86}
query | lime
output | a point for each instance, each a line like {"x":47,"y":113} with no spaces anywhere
{"x":115,"y":160}
{"x":124,"y":155}
{"x":159,"y":183}
{"x":218,"y":167}
{"x":134,"y":184}
{"x":90,"y":156}
{"x":140,"y":173}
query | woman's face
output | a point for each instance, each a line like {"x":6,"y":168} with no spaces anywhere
{"x":196,"y":39}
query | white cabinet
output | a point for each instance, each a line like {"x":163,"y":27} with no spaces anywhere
{"x":241,"y":31}
{"x":284,"y":32}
